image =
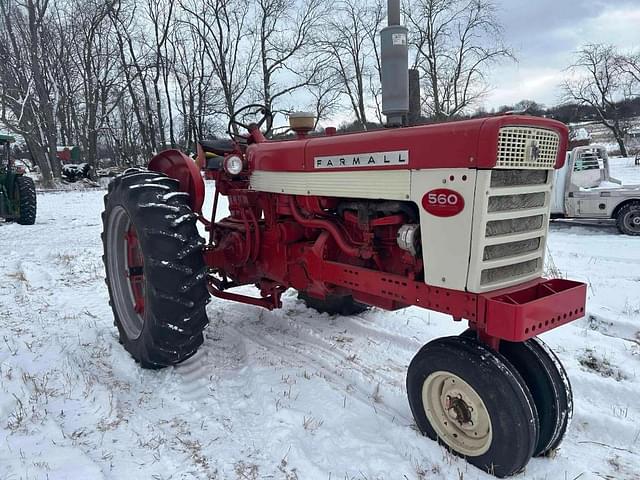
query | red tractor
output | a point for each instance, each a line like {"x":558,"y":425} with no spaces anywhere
{"x":450,"y":217}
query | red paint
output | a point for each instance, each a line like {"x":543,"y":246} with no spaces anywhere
{"x":443,"y":202}
{"x":524,"y":313}
{"x":176,"y":164}
{"x":135,"y":265}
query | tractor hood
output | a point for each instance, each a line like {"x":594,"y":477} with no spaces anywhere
{"x":461,"y":144}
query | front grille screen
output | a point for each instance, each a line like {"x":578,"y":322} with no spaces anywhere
{"x":527,"y":147}
{"x":514,"y":225}
{"x":504,"y":250}
{"x":509,"y":272}
{"x":517,"y":202}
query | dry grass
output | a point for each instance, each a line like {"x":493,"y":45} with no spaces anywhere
{"x":601,"y":365}
{"x":311,"y":424}
{"x":550,"y":268}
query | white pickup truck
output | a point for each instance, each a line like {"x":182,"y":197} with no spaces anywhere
{"x":585,"y":189}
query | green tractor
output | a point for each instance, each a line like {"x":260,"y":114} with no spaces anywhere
{"x":17,"y":191}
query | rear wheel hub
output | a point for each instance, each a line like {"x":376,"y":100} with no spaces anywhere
{"x":126,"y":272}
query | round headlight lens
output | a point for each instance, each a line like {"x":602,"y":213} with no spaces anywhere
{"x":233,"y":165}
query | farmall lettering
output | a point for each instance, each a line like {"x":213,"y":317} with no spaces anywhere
{"x":363,"y":160}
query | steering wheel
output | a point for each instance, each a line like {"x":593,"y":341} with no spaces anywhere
{"x":238,"y":120}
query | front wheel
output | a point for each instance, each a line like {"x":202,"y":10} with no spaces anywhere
{"x":548,"y":383}
{"x":154,"y":267}
{"x":628,"y":219}
{"x":475,"y":403}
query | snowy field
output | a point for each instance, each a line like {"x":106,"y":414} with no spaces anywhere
{"x":289,"y":394}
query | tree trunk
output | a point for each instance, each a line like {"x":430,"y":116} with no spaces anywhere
{"x":620,"y":140}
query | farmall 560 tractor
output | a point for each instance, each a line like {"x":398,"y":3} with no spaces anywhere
{"x":450,"y":217}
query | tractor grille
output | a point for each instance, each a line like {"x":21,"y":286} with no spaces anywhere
{"x":510,"y":228}
{"x":526,"y":147}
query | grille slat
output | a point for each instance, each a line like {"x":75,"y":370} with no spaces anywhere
{"x":499,"y":274}
{"x":505,"y":203}
{"x":517,"y":178}
{"x":514,"y":225}
{"x":526,"y":147}
{"x":510,"y":249}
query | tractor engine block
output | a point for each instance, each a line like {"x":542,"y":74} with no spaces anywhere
{"x":279,"y":236}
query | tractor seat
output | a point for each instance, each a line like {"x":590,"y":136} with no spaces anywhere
{"x":218,"y":146}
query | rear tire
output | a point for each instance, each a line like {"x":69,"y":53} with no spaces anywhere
{"x":25,"y":190}
{"x":628,"y":219}
{"x":333,"y":305}
{"x":155,"y":270}
{"x":475,"y":403}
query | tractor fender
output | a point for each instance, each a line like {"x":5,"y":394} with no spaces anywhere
{"x":176,"y":164}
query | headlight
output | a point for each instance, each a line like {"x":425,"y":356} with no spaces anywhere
{"x":233,"y":165}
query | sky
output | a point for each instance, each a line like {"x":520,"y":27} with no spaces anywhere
{"x":545,"y":35}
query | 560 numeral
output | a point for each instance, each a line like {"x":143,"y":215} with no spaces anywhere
{"x":442,"y":199}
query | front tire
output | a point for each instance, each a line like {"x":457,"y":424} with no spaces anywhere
{"x":628,"y":219}
{"x":548,"y":383}
{"x":155,"y":271}
{"x":25,"y":190}
{"x":473,"y":401}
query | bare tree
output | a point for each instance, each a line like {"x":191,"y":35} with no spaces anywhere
{"x":135,"y":69}
{"x":597,"y":80}
{"x":200,"y":96}
{"x":285,"y":31}
{"x":223,"y":26}
{"x":454,"y":43}
{"x":27,"y":91}
{"x":325,"y":91}
{"x":160,"y":13}
{"x":630,"y":66}
{"x":349,"y":41}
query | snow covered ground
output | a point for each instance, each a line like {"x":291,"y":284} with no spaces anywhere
{"x":289,"y":394}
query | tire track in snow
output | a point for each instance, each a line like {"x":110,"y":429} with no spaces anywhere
{"x":359,"y":324}
{"x":340,"y":373}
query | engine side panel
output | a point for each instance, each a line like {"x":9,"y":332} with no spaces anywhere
{"x":446,"y":241}
{"x":391,"y":185}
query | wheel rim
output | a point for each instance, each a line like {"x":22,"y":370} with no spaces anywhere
{"x":457,"y":413}
{"x":632,"y":221}
{"x":126,"y":272}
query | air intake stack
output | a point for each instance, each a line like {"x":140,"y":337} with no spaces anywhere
{"x":395,"y":68}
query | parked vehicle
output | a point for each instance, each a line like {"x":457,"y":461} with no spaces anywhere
{"x":72,"y":172}
{"x":584,"y":188}
{"x":17,"y":191}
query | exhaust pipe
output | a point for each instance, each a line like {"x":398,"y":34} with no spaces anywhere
{"x":393,"y":12}
{"x":394,"y":53}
